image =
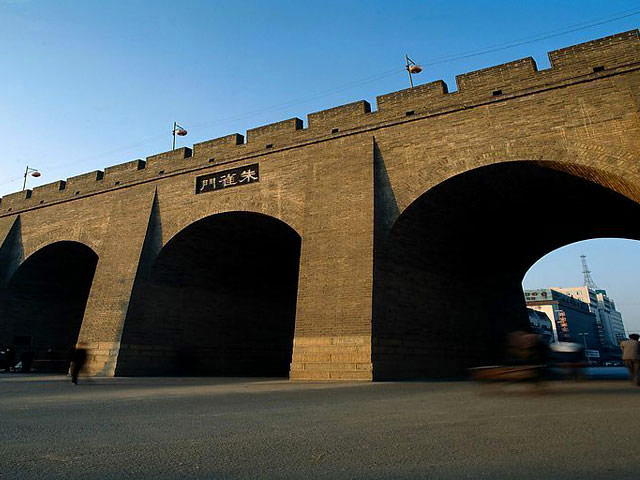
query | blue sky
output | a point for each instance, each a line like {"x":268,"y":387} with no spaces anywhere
{"x":87,"y":84}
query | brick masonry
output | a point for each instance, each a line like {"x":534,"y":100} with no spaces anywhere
{"x":341,"y":184}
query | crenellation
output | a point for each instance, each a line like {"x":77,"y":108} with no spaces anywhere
{"x":218,"y":147}
{"x":341,"y":118}
{"x":608,"y":52}
{"x":123,"y":172}
{"x":413,"y":99}
{"x":13,"y":200}
{"x":503,"y":81}
{"x":49,"y":190}
{"x":87,"y":182}
{"x":281,"y":132}
{"x":165,"y":159}
{"x":507,"y":78}
{"x":133,"y":165}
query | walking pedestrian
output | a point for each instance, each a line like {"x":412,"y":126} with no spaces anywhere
{"x":78,"y":359}
{"x":631,"y":356}
{"x":27,"y":361}
{"x":10,"y":358}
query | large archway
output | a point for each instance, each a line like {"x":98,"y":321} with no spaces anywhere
{"x":220,"y":299}
{"x":45,"y":303}
{"x":448,"y":275}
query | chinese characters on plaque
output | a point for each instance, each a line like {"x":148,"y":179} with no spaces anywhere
{"x":228,"y":178}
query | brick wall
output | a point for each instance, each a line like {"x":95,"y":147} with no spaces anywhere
{"x":341,"y":184}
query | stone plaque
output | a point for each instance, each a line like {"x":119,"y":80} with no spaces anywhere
{"x":228,"y":178}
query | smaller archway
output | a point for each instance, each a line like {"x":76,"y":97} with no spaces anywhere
{"x":219,"y":299}
{"x":45,"y":302}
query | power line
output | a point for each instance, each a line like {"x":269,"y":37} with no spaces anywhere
{"x":486,"y":50}
{"x":357,"y":83}
{"x":536,"y":38}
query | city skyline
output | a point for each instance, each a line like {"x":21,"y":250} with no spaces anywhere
{"x":613,"y":263}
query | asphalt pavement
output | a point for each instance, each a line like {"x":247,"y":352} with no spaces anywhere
{"x":230,"y":428}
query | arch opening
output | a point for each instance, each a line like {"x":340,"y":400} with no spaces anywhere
{"x":219,"y":299}
{"x":45,"y":302}
{"x":448,"y":277}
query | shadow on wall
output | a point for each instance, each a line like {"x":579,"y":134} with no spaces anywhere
{"x":448,"y":280}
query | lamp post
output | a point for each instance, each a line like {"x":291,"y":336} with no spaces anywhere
{"x":584,"y":339}
{"x":34,"y":173}
{"x":177,"y":130}
{"x":412,"y":68}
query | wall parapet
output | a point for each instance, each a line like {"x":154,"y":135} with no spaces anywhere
{"x":339,"y":118}
{"x":591,"y":60}
{"x":274,"y":131}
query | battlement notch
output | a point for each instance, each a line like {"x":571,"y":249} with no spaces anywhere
{"x":133,"y":165}
{"x":410,"y":100}
{"x":283,"y":131}
{"x":15,"y":200}
{"x":49,"y":189}
{"x":342,"y":117}
{"x":86,"y":182}
{"x":505,"y":78}
{"x":597,"y":55}
{"x":166,"y":158}
{"x":123,"y":172}
{"x":218,"y":147}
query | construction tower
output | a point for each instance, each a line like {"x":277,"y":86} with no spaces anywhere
{"x":588,"y":281}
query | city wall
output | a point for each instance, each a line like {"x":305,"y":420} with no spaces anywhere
{"x":341,"y":183}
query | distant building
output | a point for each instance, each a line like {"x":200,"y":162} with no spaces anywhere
{"x":541,"y":324}
{"x":608,"y":306}
{"x":610,"y":326}
{"x":571,"y":319}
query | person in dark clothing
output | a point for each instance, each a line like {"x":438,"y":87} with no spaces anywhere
{"x":27,"y":360}
{"x":10,"y":358}
{"x":78,"y":359}
{"x":529,"y":350}
{"x":4,"y":365}
{"x":631,"y":356}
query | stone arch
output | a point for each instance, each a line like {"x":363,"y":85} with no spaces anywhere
{"x":38,"y":244}
{"x":448,"y":272}
{"x":219,"y":298}
{"x":45,"y":300}
{"x":178,"y":211}
{"x":613,"y":167}
{"x":179,"y":225}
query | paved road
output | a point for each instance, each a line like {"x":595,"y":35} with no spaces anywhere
{"x":254,"y":429}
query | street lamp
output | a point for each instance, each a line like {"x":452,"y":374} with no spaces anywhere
{"x":412,"y":68}
{"x":584,"y":339}
{"x":177,"y":130}
{"x":34,"y":173}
